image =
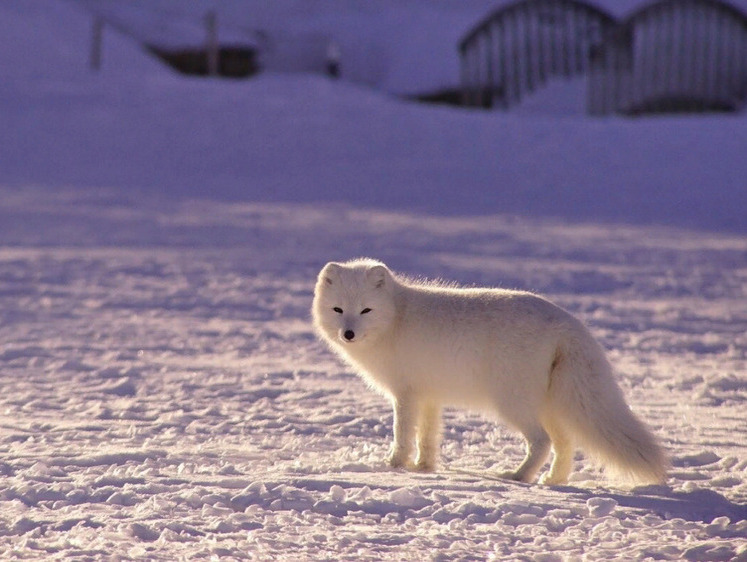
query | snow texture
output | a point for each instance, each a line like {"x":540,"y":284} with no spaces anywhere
{"x":164,"y":396}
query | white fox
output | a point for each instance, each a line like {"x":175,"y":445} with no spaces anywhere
{"x":513,"y":353}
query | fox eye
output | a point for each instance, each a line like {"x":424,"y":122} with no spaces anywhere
{"x":365,"y":311}
{"x":337,"y":309}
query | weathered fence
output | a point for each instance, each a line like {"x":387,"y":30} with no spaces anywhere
{"x":517,"y":48}
{"x":671,"y":55}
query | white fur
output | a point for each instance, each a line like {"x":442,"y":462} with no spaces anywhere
{"x":513,"y":353}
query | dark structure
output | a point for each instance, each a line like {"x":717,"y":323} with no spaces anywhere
{"x":518,"y":47}
{"x":671,"y":55}
{"x":232,"y":61}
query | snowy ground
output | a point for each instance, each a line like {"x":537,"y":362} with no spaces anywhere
{"x":164,"y":396}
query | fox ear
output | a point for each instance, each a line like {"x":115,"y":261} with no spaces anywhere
{"x":378,"y":275}
{"x":329,"y":273}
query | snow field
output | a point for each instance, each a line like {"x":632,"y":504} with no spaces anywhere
{"x":167,"y":398}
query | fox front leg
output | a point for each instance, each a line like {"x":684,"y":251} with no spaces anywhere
{"x":428,"y":437}
{"x":405,"y":419}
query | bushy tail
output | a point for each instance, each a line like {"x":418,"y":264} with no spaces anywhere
{"x":591,"y":406}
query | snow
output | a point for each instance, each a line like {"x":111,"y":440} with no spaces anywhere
{"x":164,"y":396}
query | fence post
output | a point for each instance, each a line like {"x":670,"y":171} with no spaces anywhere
{"x":211,"y":29}
{"x":97,"y":30}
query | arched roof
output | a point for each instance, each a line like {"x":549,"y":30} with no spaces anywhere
{"x":623,"y":11}
{"x":519,"y":5}
{"x":657,"y":5}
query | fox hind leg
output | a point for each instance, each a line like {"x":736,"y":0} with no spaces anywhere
{"x":538,"y":449}
{"x":562,"y":462}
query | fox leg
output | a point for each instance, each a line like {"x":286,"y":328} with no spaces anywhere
{"x":428,"y":437}
{"x":405,"y":420}
{"x":562,"y":462}
{"x":538,"y":448}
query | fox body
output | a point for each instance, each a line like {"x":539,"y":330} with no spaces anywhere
{"x":511,"y":353}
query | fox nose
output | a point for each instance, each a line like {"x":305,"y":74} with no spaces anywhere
{"x":349,"y":335}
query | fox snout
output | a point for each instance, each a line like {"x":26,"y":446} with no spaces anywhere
{"x":348,"y":335}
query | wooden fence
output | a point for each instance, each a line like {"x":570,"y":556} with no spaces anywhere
{"x":671,"y":55}
{"x":517,"y":48}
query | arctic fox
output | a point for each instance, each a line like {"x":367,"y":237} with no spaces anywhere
{"x":512,"y":353}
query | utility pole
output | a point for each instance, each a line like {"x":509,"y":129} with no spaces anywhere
{"x":211,"y":27}
{"x":97,"y":31}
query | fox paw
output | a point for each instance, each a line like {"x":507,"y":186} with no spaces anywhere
{"x":397,"y":461}
{"x":552,"y":480}
{"x":514,"y":476}
{"x":425,"y":465}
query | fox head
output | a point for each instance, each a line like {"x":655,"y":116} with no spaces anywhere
{"x":353,"y":302}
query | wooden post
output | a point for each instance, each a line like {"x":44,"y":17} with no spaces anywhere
{"x":97,"y":30}
{"x":501,"y":55}
{"x":211,"y":29}
{"x":489,"y":73}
